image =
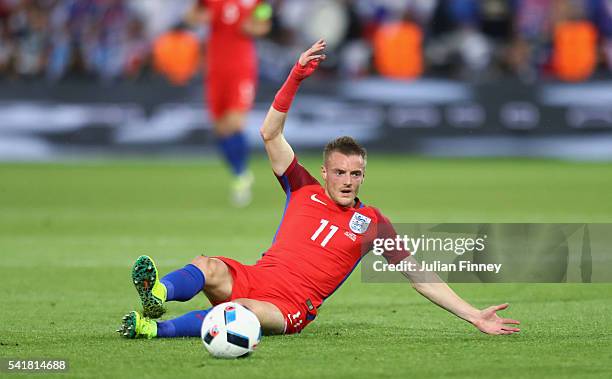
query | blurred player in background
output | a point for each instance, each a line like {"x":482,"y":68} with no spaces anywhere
{"x":232,"y":78}
{"x":324,"y":232}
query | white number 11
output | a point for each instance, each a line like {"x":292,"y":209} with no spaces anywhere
{"x":332,"y":230}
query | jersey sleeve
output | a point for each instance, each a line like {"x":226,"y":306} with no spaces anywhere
{"x":295,"y":177}
{"x":386,"y":230}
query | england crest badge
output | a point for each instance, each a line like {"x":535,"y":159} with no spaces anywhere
{"x":359,"y":223}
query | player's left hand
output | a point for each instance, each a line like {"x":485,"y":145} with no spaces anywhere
{"x":489,"y":322}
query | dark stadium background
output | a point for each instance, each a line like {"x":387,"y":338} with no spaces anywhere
{"x":81,"y":77}
{"x":502,"y":115}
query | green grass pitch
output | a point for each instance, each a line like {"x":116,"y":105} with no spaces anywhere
{"x":69,"y":233}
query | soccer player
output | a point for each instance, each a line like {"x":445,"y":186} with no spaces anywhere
{"x":231,"y":78}
{"x":324,"y":232}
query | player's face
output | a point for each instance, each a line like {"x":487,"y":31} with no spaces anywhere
{"x":343,"y":174}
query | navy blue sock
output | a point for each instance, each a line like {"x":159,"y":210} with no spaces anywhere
{"x":187,"y":325}
{"x":236,"y":151}
{"x":184,"y":284}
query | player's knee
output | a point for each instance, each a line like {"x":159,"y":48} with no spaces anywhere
{"x":235,"y":121}
{"x":249,"y":304}
{"x":221,"y":129}
{"x":229,"y":124}
{"x":213,"y":269}
{"x":270,"y":317}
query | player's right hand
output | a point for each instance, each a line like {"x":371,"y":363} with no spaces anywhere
{"x":310,"y":59}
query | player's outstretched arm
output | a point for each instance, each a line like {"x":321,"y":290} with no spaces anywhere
{"x":279,"y":151}
{"x":486,"y":320}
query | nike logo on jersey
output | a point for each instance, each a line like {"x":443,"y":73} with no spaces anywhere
{"x":314,"y":198}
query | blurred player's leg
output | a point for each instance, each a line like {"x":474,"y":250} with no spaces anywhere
{"x":230,"y":97}
{"x":233,"y":144}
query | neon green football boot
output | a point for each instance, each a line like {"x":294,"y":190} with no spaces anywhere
{"x":133,"y":325}
{"x":151,"y":291}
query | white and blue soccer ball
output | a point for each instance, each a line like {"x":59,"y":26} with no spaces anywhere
{"x":230,"y":330}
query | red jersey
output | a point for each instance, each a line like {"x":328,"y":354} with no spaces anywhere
{"x":229,"y":48}
{"x":319,"y":243}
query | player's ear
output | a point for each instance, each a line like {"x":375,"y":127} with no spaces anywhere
{"x":323,"y":172}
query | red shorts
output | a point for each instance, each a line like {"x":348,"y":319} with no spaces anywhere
{"x":268,"y":284}
{"x":229,"y":91}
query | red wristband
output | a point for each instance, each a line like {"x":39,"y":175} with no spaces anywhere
{"x":284,"y":96}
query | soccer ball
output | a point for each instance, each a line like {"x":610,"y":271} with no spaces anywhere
{"x":230,"y":330}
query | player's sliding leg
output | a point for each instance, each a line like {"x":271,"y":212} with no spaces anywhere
{"x":187,"y":325}
{"x":135,"y":325}
{"x":203,"y":273}
{"x":233,"y":144}
{"x":190,"y":324}
{"x":179,"y":285}
{"x":151,"y":291}
{"x":269,"y":316}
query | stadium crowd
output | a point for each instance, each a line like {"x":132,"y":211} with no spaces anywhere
{"x":470,"y":39}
